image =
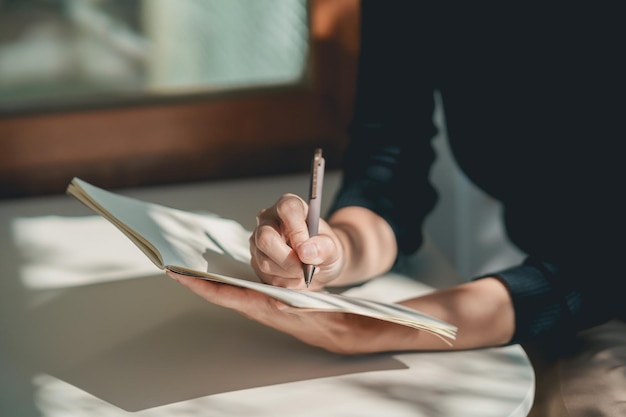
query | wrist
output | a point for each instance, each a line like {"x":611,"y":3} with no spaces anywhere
{"x":367,"y":242}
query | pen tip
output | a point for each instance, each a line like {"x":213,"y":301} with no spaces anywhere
{"x":309,"y":270}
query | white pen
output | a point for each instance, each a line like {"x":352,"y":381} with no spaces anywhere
{"x":315,"y":205}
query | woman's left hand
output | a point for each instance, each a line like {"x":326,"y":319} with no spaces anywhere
{"x":341,"y":333}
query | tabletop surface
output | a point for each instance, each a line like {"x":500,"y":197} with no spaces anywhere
{"x":88,"y":326}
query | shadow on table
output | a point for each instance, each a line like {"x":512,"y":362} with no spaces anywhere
{"x":148,"y":342}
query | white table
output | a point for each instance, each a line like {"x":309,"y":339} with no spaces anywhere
{"x":108,"y":334}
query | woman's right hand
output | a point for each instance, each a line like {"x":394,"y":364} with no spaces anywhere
{"x":280,"y":244}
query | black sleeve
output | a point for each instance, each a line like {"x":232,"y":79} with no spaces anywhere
{"x":564,"y":206}
{"x":386,"y":164}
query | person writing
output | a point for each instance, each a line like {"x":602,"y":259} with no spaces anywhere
{"x":531,"y":103}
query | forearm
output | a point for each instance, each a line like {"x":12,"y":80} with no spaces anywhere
{"x":367,"y":241}
{"x":481,"y":310}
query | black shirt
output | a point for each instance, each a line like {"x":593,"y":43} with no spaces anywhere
{"x":534,"y":108}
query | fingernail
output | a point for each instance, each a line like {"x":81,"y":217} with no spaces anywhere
{"x":173,"y":276}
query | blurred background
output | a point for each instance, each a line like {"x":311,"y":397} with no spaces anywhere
{"x":56,"y":52}
{"x":137,"y":92}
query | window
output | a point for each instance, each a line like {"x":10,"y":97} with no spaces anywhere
{"x":128,"y":92}
{"x":91,"y":52}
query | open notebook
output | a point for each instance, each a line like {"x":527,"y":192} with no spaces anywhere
{"x":207,"y":246}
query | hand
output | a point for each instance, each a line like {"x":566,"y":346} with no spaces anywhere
{"x":280,"y":244}
{"x":336,"y":332}
{"x":482,"y":310}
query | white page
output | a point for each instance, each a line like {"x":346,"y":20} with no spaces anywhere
{"x":181,"y":238}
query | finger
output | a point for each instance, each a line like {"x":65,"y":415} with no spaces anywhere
{"x":271,"y":255}
{"x":275,"y":274}
{"x":291,"y":211}
{"x":251,"y":304}
{"x":215,"y":292}
{"x":260,"y":216}
{"x":271,"y":273}
{"x":317,"y":250}
{"x":294,"y":282}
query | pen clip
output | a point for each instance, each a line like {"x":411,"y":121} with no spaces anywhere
{"x":315,"y":165}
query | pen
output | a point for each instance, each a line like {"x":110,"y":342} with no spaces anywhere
{"x":315,"y":204}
